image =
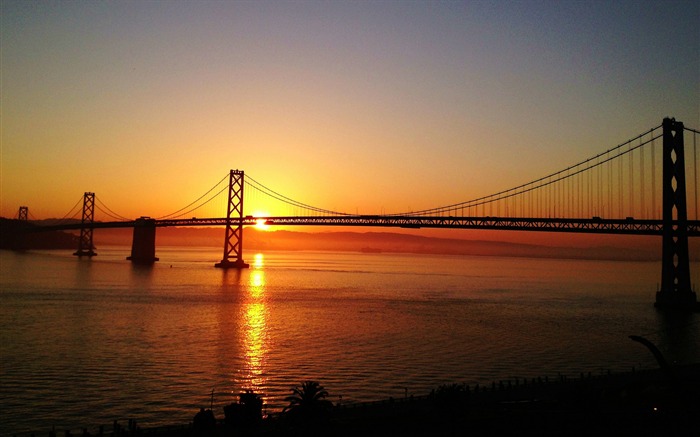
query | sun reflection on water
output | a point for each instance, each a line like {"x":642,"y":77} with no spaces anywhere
{"x":258,"y":261}
{"x":255,"y":328}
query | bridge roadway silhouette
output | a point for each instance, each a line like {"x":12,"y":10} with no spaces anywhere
{"x":595,"y":225}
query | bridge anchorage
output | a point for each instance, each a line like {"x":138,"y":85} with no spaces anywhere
{"x":233,"y":240}
{"x":85,"y":245}
{"x":676,"y":291}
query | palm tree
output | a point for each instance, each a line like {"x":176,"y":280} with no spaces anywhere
{"x":308,"y":400}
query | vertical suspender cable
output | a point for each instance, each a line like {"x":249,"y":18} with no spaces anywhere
{"x":630,"y":212}
{"x":610,"y":179}
{"x":565,"y":208}
{"x":642,"y":211}
{"x":570,"y":196}
{"x":567,"y":183}
{"x":589,"y":192}
{"x":584,"y":191}
{"x":542,"y":196}
{"x":562,"y":198}
{"x":653,"y":179}
{"x":553,"y":199}
{"x":548,"y":198}
{"x":558,"y":204}
{"x":562,"y":212}
{"x":561,"y":189}
{"x":695,"y":171}
{"x":580,"y":195}
{"x":599,"y":188}
{"x":620,"y":186}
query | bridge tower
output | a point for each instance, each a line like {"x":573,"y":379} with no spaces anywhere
{"x":18,"y":240}
{"x":85,"y":246}
{"x":676,"y":291}
{"x":233,"y":241}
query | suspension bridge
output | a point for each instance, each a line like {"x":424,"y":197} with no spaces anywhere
{"x":637,"y":188}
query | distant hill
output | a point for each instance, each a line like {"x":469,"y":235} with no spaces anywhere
{"x":14,"y":237}
{"x":377,"y":242}
{"x":373,"y":242}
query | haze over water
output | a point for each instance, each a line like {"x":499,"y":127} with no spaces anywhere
{"x":85,"y":342}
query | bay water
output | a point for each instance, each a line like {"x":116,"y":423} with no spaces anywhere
{"x":84,"y":342}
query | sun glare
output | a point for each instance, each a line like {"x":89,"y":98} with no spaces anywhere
{"x":260,"y":224}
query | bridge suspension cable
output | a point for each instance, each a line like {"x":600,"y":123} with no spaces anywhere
{"x":551,"y":194}
{"x":255,"y":185}
{"x":188,"y":209}
{"x":72,"y":213}
{"x":104,"y":209}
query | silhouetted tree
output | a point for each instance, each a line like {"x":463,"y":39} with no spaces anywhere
{"x":248,"y":410}
{"x":308,"y":401}
{"x":204,"y":423}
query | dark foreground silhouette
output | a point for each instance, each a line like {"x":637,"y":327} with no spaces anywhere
{"x":641,"y":403}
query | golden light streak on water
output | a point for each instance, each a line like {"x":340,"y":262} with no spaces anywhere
{"x":255,"y":328}
{"x":258,"y":261}
{"x":255,"y":345}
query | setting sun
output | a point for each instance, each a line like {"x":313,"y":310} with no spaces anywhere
{"x":260,"y":224}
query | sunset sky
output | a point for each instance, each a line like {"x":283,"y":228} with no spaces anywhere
{"x":365,"y":107}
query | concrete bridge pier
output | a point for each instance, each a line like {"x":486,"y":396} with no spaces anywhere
{"x":143,"y":244}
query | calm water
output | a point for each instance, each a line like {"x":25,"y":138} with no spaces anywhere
{"x":85,"y":342}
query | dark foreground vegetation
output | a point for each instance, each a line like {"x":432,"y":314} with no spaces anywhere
{"x":641,"y":403}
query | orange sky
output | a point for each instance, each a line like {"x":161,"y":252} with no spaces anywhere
{"x":359,"y":107}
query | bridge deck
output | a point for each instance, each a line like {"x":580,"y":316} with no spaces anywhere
{"x":629,"y":226}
